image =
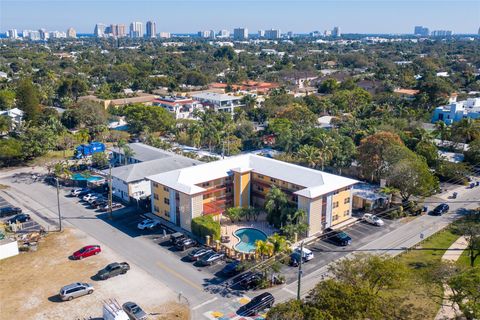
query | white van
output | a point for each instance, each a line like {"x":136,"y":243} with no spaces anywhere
{"x":306,"y":254}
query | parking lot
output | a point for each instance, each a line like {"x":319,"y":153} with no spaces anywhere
{"x":26,"y":227}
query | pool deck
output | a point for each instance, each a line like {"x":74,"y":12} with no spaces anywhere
{"x":228,"y":228}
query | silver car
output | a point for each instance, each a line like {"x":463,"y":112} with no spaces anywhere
{"x":75,"y":290}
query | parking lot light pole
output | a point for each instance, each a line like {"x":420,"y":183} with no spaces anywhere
{"x":58,"y":206}
{"x":300,"y":271}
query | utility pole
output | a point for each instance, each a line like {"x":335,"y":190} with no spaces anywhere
{"x":300,"y":271}
{"x":110,"y":195}
{"x":58,"y":206}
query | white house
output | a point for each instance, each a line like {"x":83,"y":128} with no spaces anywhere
{"x":456,"y":111}
{"x":219,"y":101}
{"x":15,"y":115}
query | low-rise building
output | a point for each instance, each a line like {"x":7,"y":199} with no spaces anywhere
{"x":139,"y":152}
{"x":15,"y":115}
{"x":456,"y":111}
{"x":242,"y":181}
{"x":219,"y":102}
{"x":180,"y":107}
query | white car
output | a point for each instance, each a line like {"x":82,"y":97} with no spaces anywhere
{"x":148,"y":224}
{"x":306,"y":254}
{"x":75,"y":192}
{"x":373,"y":219}
{"x":89,"y":196}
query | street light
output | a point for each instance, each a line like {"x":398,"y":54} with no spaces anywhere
{"x":58,"y":205}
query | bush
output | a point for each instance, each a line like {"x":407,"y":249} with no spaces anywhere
{"x":205,"y":225}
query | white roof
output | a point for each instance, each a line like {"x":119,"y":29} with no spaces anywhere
{"x":314,"y":183}
{"x":214,"y":96}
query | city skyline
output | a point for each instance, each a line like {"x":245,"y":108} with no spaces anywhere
{"x":389,"y":16}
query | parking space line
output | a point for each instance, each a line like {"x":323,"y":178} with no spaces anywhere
{"x":204,"y":303}
{"x":179,"y":276}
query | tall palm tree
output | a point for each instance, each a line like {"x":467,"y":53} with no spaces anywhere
{"x":264,"y":248}
{"x":280,"y":243}
{"x":309,"y":155}
{"x":442,"y":130}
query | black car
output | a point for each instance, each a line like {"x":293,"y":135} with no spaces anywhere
{"x":9,"y":211}
{"x":113,"y":269}
{"x":184,"y":244}
{"x":249,"y":280}
{"x":198,"y":253}
{"x":177,"y":236}
{"x":20,"y":218}
{"x":231,"y":269}
{"x":338,"y":237}
{"x":440,"y":209}
{"x":257,"y":304}
{"x":100,"y":202}
{"x":84,"y":192}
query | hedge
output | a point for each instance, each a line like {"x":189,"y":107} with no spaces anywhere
{"x":205,"y":225}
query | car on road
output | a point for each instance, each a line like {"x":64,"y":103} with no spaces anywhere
{"x":373,"y":219}
{"x":20,"y":218}
{"x":106,"y":207}
{"x":440,"y":209}
{"x":307,"y":254}
{"x":9,"y":211}
{"x":149,"y":224}
{"x":113,"y":269}
{"x":198,"y":253}
{"x":232,"y":269}
{"x":249,"y":280}
{"x":134,"y":311}
{"x":295,"y":259}
{"x":185,"y":243}
{"x":177,"y":236}
{"x":211,"y":258}
{"x":86,"y":251}
{"x":75,"y":290}
{"x":338,"y":237}
{"x":256,"y":305}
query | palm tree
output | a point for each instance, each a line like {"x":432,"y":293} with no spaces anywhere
{"x":309,"y":155}
{"x":280,"y":243}
{"x":263,"y":248}
{"x":127,"y":150}
{"x":466,"y":129}
{"x":275,"y":203}
{"x":442,"y":130}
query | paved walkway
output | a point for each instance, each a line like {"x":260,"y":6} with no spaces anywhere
{"x":450,"y":310}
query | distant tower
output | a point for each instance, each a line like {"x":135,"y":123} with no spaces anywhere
{"x":99,"y":30}
{"x":71,"y":33}
{"x":12,"y":34}
{"x":240,"y":34}
{"x":151,"y":29}
{"x":336,"y":32}
{"x":136,"y":29}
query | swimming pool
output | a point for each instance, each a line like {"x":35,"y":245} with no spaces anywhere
{"x":247,"y":238}
{"x":81,"y":177}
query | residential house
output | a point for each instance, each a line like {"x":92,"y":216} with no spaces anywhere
{"x":456,"y":111}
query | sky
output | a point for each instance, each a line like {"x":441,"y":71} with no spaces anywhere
{"x":299,"y":16}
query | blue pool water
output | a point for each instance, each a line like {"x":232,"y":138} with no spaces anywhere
{"x":79,"y":177}
{"x":247,"y":237}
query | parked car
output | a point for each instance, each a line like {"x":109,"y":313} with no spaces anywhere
{"x":86,"y":251}
{"x":249,"y":280}
{"x":84,"y":192}
{"x":134,"y":311}
{"x":373,"y":219}
{"x":295,"y":259}
{"x":20,"y":218}
{"x":75,"y":290}
{"x":113,"y":269}
{"x":177,"y":236}
{"x":106,"y":207}
{"x":9,"y":211}
{"x":307,"y":254}
{"x":198,"y":253}
{"x":338,"y":237}
{"x":99,"y":202}
{"x":211,"y":258}
{"x":95,"y":198}
{"x":185,"y":243}
{"x":89,"y":196}
{"x":231,"y":269}
{"x":257,"y":304}
{"x":148,"y":224}
{"x":440,"y":209}
{"x":78,"y":191}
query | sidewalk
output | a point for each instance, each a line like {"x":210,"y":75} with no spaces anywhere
{"x":450,"y":310}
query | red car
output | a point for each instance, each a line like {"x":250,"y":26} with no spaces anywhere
{"x":86,"y":252}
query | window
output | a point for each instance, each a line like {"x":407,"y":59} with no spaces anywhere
{"x":229,"y":189}
{"x":166,"y":189}
{"x":259,"y":176}
{"x":155,"y":185}
{"x":205,"y":196}
{"x":155,"y":208}
{"x":335,"y":204}
{"x":260,"y":188}
{"x":346,"y":213}
{"x":155,"y":196}
{"x":205,"y":184}
{"x":335,"y":192}
{"x":273,"y":180}
{"x":347,"y":200}
{"x":335,"y":217}
{"x":167,"y":213}
{"x":166,"y":201}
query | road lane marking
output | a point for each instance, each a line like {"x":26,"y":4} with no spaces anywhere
{"x":204,"y":303}
{"x":179,"y":276}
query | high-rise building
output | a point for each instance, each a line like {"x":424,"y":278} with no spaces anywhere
{"x":442,"y":33}
{"x":224,"y":34}
{"x":71,"y":33}
{"x":261,"y":33}
{"x":12,"y":34}
{"x":272,"y":34}
{"x":99,"y":30}
{"x":43,"y":34}
{"x":151,"y":29}
{"x":136,"y":29}
{"x":31,"y":35}
{"x":118,"y":30}
{"x":336,"y":32}
{"x":421,"y":31}
{"x":207,"y":34}
{"x":240,"y":34}
{"x":57,"y":34}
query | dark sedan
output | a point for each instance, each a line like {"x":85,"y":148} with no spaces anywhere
{"x":257,"y":304}
{"x":9,"y":211}
{"x":338,"y":237}
{"x":113,"y":269}
{"x":231,"y":269}
{"x":20,"y":218}
{"x":211,"y":258}
{"x":184,"y":244}
{"x":440,"y":209}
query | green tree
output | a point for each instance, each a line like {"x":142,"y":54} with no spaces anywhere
{"x":469,"y":227}
{"x":37,"y":141}
{"x":7,"y":99}
{"x":466,"y":292}
{"x":466,"y":130}
{"x":28,"y":100}
{"x":329,"y":86}
{"x":264,"y":248}
{"x":442,"y":130}
{"x":86,"y":114}
{"x":275,"y":203}
{"x":472,"y":155}
{"x":280,"y":243}
{"x":10,"y":151}
{"x":309,"y":155}
{"x":154,"y":118}
{"x":100,"y":160}
{"x":429,"y":151}
{"x":234,"y":214}
{"x":5,"y":124}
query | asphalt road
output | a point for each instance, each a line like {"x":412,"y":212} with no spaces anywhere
{"x":149,"y":250}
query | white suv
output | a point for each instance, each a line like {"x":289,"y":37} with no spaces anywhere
{"x":148,"y":224}
{"x":306,"y":254}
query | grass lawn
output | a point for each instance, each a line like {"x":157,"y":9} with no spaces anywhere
{"x":464,"y":260}
{"x":52,"y":156}
{"x":421,"y":263}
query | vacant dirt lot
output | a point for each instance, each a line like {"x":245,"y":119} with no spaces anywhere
{"x":30,"y":283}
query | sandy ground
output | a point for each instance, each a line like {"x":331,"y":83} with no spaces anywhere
{"x":30,"y":282}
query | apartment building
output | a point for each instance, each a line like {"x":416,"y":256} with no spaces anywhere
{"x":179,"y":107}
{"x":245,"y":180}
{"x":218,"y":101}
